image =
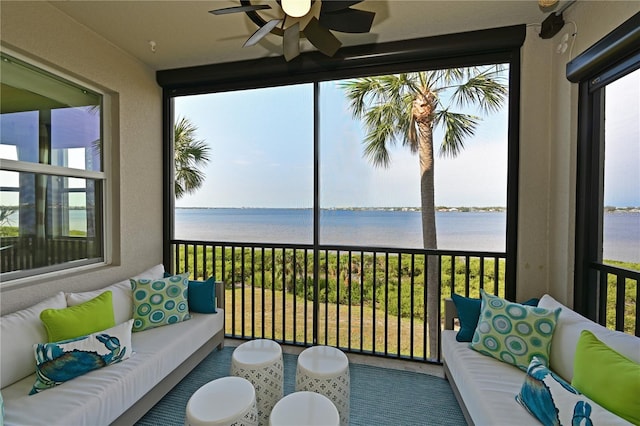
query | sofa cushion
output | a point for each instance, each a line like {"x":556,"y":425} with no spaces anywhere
{"x":101,"y":396}
{"x":59,"y":362}
{"x":75,"y":321}
{"x":469,"y":312}
{"x":121,"y":294}
{"x":565,"y":338}
{"x":160,"y":302}
{"x":19,"y":331}
{"x":512,"y":332}
{"x":555,"y":402}
{"x":607,"y":377}
{"x":487,"y":386}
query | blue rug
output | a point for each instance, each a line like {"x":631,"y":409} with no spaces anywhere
{"x":379,"y":396}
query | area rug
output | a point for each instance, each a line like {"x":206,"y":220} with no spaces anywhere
{"x":379,"y":396}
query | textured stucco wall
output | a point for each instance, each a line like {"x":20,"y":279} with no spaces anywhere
{"x":41,"y":32}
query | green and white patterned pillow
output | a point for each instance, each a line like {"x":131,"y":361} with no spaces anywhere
{"x":514,"y":333}
{"x":160,"y":302}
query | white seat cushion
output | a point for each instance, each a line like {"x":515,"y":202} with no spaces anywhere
{"x":487,"y":386}
{"x":101,"y":396}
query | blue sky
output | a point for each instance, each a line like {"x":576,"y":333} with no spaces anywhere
{"x":262,"y":154}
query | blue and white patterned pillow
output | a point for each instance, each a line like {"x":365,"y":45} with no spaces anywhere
{"x":555,"y":402}
{"x":58,"y":362}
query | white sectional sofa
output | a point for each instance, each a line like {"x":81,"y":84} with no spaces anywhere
{"x":117,"y":394}
{"x":486,"y":388}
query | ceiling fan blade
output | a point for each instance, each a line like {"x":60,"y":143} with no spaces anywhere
{"x":321,"y":37}
{"x":236,"y":9}
{"x":348,"y":20}
{"x":291,"y":42}
{"x":335,"y":5}
{"x":261,"y":32}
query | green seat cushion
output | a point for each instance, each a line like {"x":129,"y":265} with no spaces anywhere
{"x":607,"y":377}
{"x":160,"y":302}
{"x":512,"y":332}
{"x":75,"y":321}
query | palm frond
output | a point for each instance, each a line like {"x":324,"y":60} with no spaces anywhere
{"x":457,"y":128}
{"x":190,"y":154}
{"x":484,"y":89}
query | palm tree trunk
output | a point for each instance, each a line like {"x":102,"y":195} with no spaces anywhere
{"x":429,"y":238}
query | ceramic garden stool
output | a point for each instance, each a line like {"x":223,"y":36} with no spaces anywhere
{"x":260,"y":362}
{"x":304,"y":408}
{"x":223,"y":402}
{"x":325,"y":370}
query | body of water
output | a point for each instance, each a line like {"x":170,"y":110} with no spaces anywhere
{"x":483,"y":231}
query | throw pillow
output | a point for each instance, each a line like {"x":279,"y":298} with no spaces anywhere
{"x":120,"y":296}
{"x":160,"y":302}
{"x":469,"y":313}
{"x":607,"y":377}
{"x":202,"y":296}
{"x":513,"y":333}
{"x":59,"y":362}
{"x":85,"y":318}
{"x":553,"y":401}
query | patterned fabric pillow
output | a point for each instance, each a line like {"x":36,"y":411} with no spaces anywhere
{"x":160,"y":302}
{"x":553,"y":401}
{"x":62,"y":361}
{"x":512,"y":332}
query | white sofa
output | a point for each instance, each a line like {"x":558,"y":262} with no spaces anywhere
{"x":117,"y":394}
{"x":486,"y":388}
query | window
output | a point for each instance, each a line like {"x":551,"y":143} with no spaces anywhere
{"x":607,"y":269}
{"x":52,"y":172}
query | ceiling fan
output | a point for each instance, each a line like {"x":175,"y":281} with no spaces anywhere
{"x":310,"y":19}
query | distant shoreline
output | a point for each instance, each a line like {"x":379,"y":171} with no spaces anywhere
{"x":462,"y":209}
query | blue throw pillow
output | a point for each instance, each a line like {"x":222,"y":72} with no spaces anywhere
{"x":58,"y":362}
{"x":202,"y":296}
{"x":469,"y":313}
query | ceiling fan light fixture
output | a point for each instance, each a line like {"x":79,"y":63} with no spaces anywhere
{"x":296,"y":8}
{"x":547,"y":3}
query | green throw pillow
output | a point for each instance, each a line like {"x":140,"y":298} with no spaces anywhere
{"x":160,"y":302}
{"x":514,"y":333}
{"x":75,"y":321}
{"x":607,"y":377}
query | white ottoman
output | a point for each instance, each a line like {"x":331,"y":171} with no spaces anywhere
{"x":304,"y":408}
{"x":223,"y":402}
{"x":260,"y":362}
{"x":325,"y":370}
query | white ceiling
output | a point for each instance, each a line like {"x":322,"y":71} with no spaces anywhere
{"x":185,"y":34}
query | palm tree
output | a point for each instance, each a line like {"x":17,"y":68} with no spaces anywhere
{"x":406,"y":108}
{"x":190,"y":156}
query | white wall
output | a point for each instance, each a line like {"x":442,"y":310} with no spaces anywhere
{"x":42,"y":32}
{"x":549,"y":131}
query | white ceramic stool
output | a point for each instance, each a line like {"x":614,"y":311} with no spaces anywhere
{"x":223,"y":402}
{"x":304,"y":408}
{"x":325,"y":370}
{"x":260,"y":362}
